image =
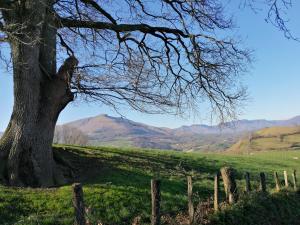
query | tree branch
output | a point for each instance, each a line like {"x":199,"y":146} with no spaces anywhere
{"x":144,"y":28}
{"x":163,"y":59}
{"x":100,"y":9}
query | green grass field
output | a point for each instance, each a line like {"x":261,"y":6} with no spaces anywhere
{"x":117,"y":183}
{"x":272,"y":138}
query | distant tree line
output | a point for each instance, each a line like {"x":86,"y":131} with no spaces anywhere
{"x":69,"y":135}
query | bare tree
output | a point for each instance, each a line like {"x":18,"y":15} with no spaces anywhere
{"x":160,"y":56}
{"x":69,"y":135}
{"x":277,"y":14}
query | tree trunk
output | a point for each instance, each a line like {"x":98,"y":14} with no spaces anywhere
{"x":26,"y":156}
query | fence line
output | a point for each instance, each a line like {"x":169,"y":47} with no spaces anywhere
{"x":248,"y":183}
{"x":230,"y":188}
{"x":286,"y":181}
{"x":78,"y":204}
{"x":216,"y":191}
{"x":277,"y":182}
{"x":190,"y":199}
{"x":263,"y":186}
{"x":294,"y":180}
{"x":155,"y":196}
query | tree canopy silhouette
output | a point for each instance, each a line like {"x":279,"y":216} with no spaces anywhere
{"x":277,"y":14}
{"x":160,"y":56}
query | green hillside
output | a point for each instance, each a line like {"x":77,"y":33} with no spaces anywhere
{"x":117,"y":183}
{"x":274,"y":138}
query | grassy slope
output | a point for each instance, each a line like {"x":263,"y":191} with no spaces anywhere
{"x":274,"y":138}
{"x":281,"y":208}
{"x":117,"y":183}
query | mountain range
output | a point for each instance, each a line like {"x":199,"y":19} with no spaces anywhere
{"x":106,"y":130}
{"x":117,"y":131}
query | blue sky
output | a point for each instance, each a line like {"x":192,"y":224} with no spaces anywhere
{"x":273,"y":81}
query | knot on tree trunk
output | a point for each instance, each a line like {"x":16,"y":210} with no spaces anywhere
{"x":59,"y":90}
{"x":67,"y":69}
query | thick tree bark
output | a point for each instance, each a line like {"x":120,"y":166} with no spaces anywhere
{"x":26,"y":145}
{"x":40,"y":94}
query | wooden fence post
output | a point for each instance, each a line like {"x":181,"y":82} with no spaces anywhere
{"x":248,"y":184}
{"x":190,"y":199}
{"x":294,"y":180}
{"x":78,"y":204}
{"x":216,"y":191}
{"x":277,"y":182}
{"x":263,"y":186}
{"x":228,"y":176}
{"x":286,"y":181}
{"x":155,"y":196}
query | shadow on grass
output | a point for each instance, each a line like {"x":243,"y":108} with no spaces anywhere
{"x":13,"y":207}
{"x":156,"y":163}
{"x":117,"y":184}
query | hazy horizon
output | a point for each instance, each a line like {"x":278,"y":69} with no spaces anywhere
{"x":119,"y":116}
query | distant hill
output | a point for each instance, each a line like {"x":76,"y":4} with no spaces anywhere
{"x":273,"y":138}
{"x":116,"y":131}
{"x":116,"y":125}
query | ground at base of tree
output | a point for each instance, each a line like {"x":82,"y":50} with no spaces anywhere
{"x":117,"y":186}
